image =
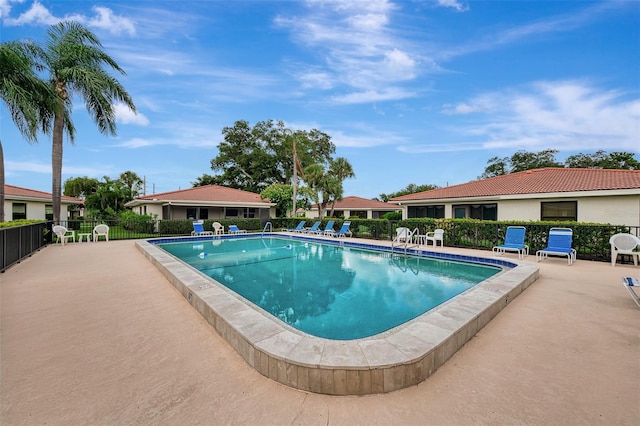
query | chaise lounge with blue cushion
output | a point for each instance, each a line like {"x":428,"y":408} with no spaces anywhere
{"x":313,"y":229}
{"x":514,"y":241}
{"x":327,"y":229}
{"x":233,"y":229}
{"x":558,"y":244}
{"x":631,"y":284}
{"x":298,"y":228}
{"x":198,"y":229}
{"x":342,"y":232}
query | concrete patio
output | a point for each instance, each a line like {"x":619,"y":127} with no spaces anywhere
{"x":94,"y":334}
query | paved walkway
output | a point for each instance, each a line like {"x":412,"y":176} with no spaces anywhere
{"x":92,"y":334}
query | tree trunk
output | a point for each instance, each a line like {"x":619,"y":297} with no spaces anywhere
{"x":56,"y":165}
{"x":1,"y":184}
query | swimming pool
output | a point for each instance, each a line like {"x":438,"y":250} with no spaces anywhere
{"x":400,"y":357}
{"x":330,"y":291}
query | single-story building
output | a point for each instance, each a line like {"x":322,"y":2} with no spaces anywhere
{"x":204,"y":202}
{"x":23,"y":203}
{"x":362,"y":208}
{"x":584,"y":195}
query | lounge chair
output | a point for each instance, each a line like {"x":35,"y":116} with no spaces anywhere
{"x":622,"y":244}
{"x":297,"y":228}
{"x":434,"y":237}
{"x":218,"y":229}
{"x":314,"y":228}
{"x":64,"y":234}
{"x":100,"y":230}
{"x":558,"y":244}
{"x":631,"y":284}
{"x":514,"y":241}
{"x":327,"y":229}
{"x":198,"y":229}
{"x":342,"y":232}
{"x":233,"y":229}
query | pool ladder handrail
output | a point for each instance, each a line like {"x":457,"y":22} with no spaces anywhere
{"x":407,"y":243}
{"x":267,"y":225}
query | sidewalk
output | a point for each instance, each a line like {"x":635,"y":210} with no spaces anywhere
{"x":92,"y":334}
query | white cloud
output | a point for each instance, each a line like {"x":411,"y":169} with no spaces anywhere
{"x":106,"y":20}
{"x":126,"y":116}
{"x":38,"y":14}
{"x":358,"y":48}
{"x":571,"y":115}
{"x":455,"y":4}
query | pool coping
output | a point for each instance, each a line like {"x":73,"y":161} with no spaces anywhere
{"x":401,"y":357}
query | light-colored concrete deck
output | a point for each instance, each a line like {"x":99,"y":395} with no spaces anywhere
{"x":94,"y":334}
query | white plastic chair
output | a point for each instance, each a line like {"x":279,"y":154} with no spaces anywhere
{"x":434,"y":237}
{"x":101,"y":230}
{"x":64,"y":234}
{"x":403,"y":234}
{"x":218,"y":228}
{"x":624,"y":244}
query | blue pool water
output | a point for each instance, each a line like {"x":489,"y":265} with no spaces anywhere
{"x":330,"y":291}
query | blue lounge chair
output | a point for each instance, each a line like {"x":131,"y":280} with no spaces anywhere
{"x":313,"y":229}
{"x":297,"y":228}
{"x":233,"y":229}
{"x":514,"y":241}
{"x":558,"y":244}
{"x":631,"y":284}
{"x":327,"y":229}
{"x":344,"y":230}
{"x":198,"y":229}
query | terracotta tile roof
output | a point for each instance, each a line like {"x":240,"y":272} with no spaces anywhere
{"x":16,"y":191}
{"x":536,"y":181}
{"x":352,"y":202}
{"x":208,"y":193}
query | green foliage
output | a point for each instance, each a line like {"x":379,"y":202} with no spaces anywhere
{"x":392,"y":216}
{"x":601,"y":160}
{"x":19,"y":222}
{"x":412,"y":188}
{"x":523,"y":160}
{"x":252,"y":158}
{"x":280,"y":194}
{"x":141,"y":223}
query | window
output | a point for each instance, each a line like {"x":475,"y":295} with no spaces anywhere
{"x":48,"y":212}
{"x":231,"y":213}
{"x":191,"y":213}
{"x":204,"y":213}
{"x":436,"y":211}
{"x":476,"y":211}
{"x":459,"y":212}
{"x":360,"y":214}
{"x":559,"y":211}
{"x":20,"y":211}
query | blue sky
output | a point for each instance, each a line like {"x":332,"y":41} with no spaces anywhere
{"x":421,"y":92}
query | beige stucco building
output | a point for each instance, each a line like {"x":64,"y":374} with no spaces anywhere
{"x":24,"y":203}
{"x":351,"y":206}
{"x":204,"y":202}
{"x":583,"y":195}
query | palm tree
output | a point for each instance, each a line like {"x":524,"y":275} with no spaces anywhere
{"x":74,"y":57}
{"x":27,"y":97}
{"x":341,"y":169}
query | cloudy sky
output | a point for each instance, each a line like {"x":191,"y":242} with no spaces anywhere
{"x":421,"y":91}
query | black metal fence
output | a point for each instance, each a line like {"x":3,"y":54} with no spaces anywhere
{"x":591,"y":241}
{"x":18,"y":242}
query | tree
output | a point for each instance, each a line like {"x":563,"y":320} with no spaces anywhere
{"x":28,"y":98}
{"x":252,"y":158}
{"x":601,"y":160}
{"x":80,"y":187}
{"x":132,"y":182}
{"x":412,"y":188}
{"x":75,"y":60}
{"x":341,"y":169}
{"x":520,"y":161}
